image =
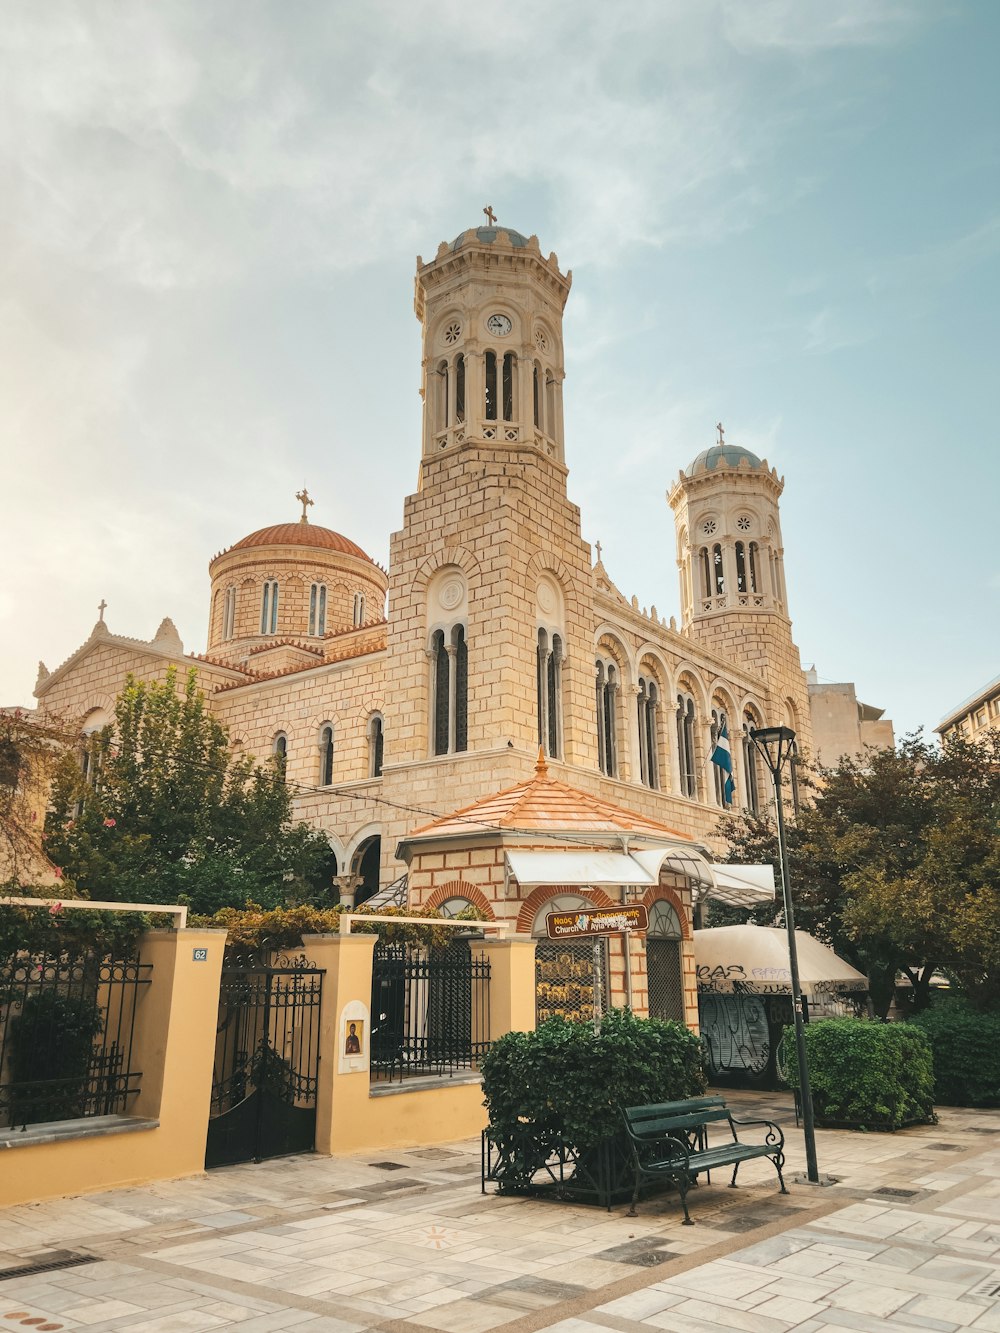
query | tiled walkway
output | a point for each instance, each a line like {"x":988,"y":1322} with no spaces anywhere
{"x":909,"y":1238}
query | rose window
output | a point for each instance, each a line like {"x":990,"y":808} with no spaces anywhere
{"x":453,"y":332}
{"x":743,"y":524}
{"x":708,"y":527}
{"x":541,"y":341}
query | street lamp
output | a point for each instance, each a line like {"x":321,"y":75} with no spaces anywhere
{"x":777,"y":747}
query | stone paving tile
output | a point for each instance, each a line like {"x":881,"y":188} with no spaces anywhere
{"x":324,"y":1245}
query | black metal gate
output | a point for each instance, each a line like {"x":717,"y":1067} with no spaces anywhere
{"x":266,"y":1061}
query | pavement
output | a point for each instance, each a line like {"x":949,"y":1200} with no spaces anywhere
{"x":907,"y":1239}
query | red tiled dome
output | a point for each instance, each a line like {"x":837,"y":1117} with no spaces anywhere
{"x":302,"y":534}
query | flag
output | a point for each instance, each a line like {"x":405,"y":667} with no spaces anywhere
{"x":722,"y":758}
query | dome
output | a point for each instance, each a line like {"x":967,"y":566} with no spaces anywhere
{"x":723,"y":456}
{"x":302,"y":534}
{"x":487,"y":236}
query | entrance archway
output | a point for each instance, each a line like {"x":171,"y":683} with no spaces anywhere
{"x":367,"y":864}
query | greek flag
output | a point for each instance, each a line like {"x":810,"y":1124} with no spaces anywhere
{"x":722,"y":758}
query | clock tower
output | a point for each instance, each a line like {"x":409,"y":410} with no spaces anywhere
{"x":492,"y":367}
{"x":490,"y":558}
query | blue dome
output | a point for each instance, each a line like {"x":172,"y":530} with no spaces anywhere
{"x":723,"y":456}
{"x":487,"y":235}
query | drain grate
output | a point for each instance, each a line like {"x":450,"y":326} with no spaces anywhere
{"x":888,"y":1192}
{"x":990,"y":1289}
{"x":388,"y":1166}
{"x":48,"y":1266}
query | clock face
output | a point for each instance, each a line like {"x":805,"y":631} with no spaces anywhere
{"x":499,"y":325}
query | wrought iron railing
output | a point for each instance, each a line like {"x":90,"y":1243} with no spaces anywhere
{"x":430,"y":1010}
{"x":66,"y":1037}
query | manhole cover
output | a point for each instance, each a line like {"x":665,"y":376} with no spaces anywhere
{"x":888,"y":1192}
{"x":388,"y":1166}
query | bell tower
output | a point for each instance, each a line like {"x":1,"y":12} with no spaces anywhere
{"x":730,"y":560}
{"x":491,"y":309}
{"x":490,"y":557}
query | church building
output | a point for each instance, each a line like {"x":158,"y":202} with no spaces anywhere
{"x":493,"y":676}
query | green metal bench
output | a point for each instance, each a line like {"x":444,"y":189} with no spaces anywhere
{"x":670,"y":1144}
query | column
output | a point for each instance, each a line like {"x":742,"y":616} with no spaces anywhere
{"x":512,"y":982}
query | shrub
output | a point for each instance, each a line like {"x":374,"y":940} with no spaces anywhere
{"x":563,"y":1082}
{"x":966,"y":1046}
{"x":873,"y":1075}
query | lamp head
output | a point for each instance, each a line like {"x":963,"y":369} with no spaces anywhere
{"x":775,"y":744}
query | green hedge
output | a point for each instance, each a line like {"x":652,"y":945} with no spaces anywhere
{"x":966,"y":1046}
{"x":872,"y":1075}
{"x":563,"y":1082}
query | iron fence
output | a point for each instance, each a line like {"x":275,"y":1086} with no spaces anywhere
{"x":66,"y":1031}
{"x":430,"y":1010}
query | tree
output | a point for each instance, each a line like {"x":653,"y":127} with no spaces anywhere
{"x":165,"y":812}
{"x":895,"y":864}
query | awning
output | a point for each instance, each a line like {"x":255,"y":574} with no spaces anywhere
{"x":753,"y":960}
{"x":740,"y":886}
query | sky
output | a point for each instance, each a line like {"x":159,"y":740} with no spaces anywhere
{"x":782,"y":215}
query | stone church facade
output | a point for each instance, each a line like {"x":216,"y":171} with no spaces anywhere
{"x":397,"y":696}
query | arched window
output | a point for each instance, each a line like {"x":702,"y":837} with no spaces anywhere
{"x":229,"y":613}
{"x":443,"y":395}
{"x":326,"y":756}
{"x":719,"y":775}
{"x":741,"y":567}
{"x":607,"y":724}
{"x":317,"y":608}
{"x":509,"y":376}
{"x":718,"y":573}
{"x":754,"y":564}
{"x":449,"y":694}
{"x":752,"y":776}
{"x":280,"y":751}
{"x":376,"y":733}
{"x":536,"y":395}
{"x":460,"y":389}
{"x":549,"y":692}
{"x":685,"y":746}
{"x":491,"y":386}
{"x":359,"y":609}
{"x":269,"y":608}
{"x":649,"y":759}
{"x":664,"y":975}
{"x":706,"y":572}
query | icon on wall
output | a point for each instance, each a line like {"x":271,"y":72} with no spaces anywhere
{"x":354,"y":1037}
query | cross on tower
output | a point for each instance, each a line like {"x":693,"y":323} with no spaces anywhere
{"x":102,"y":606}
{"x":304,"y":500}
{"x":491,"y":217}
{"x":598,"y":548}
{"x":718,"y":427}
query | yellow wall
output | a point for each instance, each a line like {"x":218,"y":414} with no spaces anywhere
{"x":173,"y":1046}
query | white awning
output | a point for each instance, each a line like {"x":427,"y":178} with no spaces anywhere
{"x":579,"y":867}
{"x":740,"y":886}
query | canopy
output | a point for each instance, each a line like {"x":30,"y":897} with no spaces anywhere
{"x":741,"y":886}
{"x":753,"y":960}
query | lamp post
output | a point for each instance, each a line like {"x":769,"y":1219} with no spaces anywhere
{"x":777,"y":747}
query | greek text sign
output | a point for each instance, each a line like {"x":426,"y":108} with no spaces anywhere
{"x":599,"y":921}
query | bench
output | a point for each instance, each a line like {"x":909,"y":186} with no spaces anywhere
{"x":670,"y":1143}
